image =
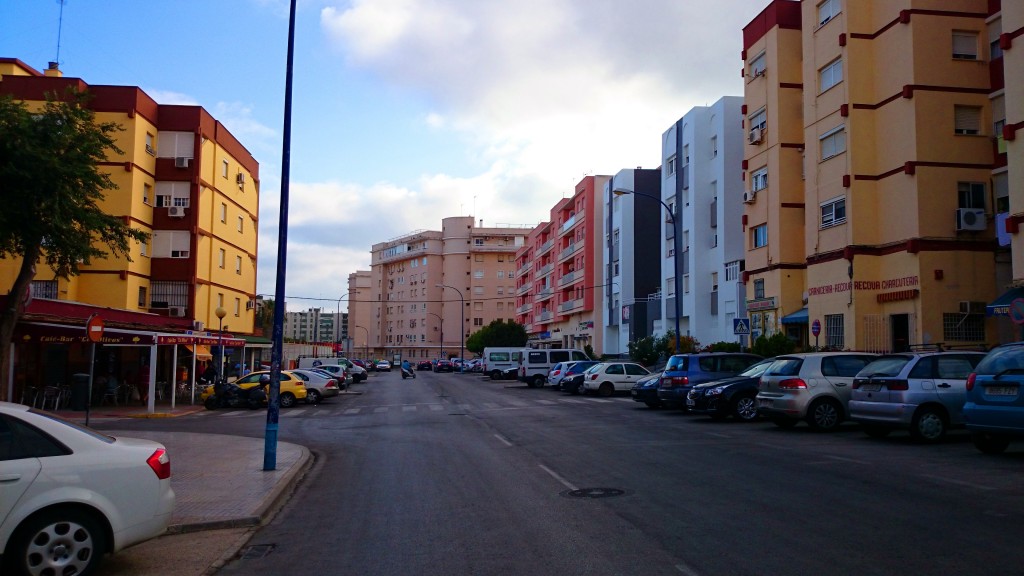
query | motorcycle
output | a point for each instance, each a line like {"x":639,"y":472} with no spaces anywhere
{"x":408,"y":373}
{"x":231,"y":395}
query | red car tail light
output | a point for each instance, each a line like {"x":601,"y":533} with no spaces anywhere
{"x":970,"y":381}
{"x":331,"y":384}
{"x":792,"y":384}
{"x":593,"y":376}
{"x":897,"y":385}
{"x":160,"y":462}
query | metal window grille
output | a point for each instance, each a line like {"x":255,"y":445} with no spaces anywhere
{"x":44,"y":289}
{"x":963,"y":327}
{"x":169,"y":294}
{"x":834,"y":334}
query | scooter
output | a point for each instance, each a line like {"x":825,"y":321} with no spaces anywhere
{"x":408,"y":373}
{"x":231,"y":395}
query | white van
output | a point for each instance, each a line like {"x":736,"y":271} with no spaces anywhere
{"x":535,"y":363}
{"x":497,"y":360}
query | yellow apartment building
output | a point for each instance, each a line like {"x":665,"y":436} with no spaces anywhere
{"x":429,"y":290}
{"x":183,"y":178}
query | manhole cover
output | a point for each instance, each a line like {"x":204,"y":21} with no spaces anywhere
{"x":594,"y":493}
{"x":257,"y":552}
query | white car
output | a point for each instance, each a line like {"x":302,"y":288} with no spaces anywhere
{"x":319,"y":384}
{"x":69,"y":494}
{"x":341,"y":373}
{"x":558,"y":372}
{"x":607,"y":378}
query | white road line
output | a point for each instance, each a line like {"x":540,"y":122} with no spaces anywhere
{"x":236,"y":413}
{"x":842,"y":459}
{"x":546,"y":402}
{"x":572,"y":401}
{"x":464,"y":407}
{"x":490,"y":405}
{"x":294,"y":412}
{"x":380,"y":409}
{"x":598,"y":400}
{"x":518,"y":403}
{"x":564,"y":482}
{"x":208,"y":412}
{"x":409,"y":408}
{"x":686,"y":570}
{"x":717,"y":435}
{"x":436,"y":407}
{"x":957,"y":482}
{"x":503,"y":440}
{"x":353,"y":411}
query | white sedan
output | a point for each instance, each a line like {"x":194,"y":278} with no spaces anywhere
{"x":69,"y":494}
{"x":607,"y":378}
{"x":319,"y":383}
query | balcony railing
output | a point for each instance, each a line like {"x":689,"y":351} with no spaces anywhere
{"x":545,"y":316}
{"x":545,"y":247}
{"x":569,"y":305}
{"x":523,"y":270}
{"x":546,"y":270}
{"x":544,"y":294}
{"x":566,"y":278}
{"x":524,"y":289}
{"x":524,"y":308}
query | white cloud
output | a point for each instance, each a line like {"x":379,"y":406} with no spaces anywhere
{"x":168,"y":97}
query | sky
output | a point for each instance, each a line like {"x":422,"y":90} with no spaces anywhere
{"x":404,"y":112}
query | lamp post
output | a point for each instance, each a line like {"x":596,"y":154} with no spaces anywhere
{"x":366,"y":343}
{"x":337,"y":317}
{"x":462,"y":324}
{"x":675,"y":249}
{"x":221,"y":313}
{"x":441,"y":321}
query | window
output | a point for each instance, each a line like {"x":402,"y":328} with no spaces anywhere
{"x":759,"y":236}
{"x":830,"y":75}
{"x":170,"y":193}
{"x":147,"y":194}
{"x":971,"y":194}
{"x":478,"y":306}
{"x":994,"y":49}
{"x":833,"y":212}
{"x":827,"y":10}
{"x":142,"y":297}
{"x":501,"y":290}
{"x":221,"y":255}
{"x":478,"y":290}
{"x":833,"y":143}
{"x":501,"y":274}
{"x":150,"y":144}
{"x":223,"y":212}
{"x":686,"y":155}
{"x":478,"y":321}
{"x":168,"y":294}
{"x":963,"y":327}
{"x":759,"y":179}
{"x":171,"y":243}
{"x":241,"y":225}
{"x":965,"y":45}
{"x":238,"y":265}
{"x":834,"y":335}
{"x":670,"y":165}
{"x":501,"y":306}
{"x":238,"y":306}
{"x":478,"y":241}
{"x":714,"y":146}
{"x":759,"y":119}
{"x":224,"y":168}
{"x":758,"y":289}
{"x":686,"y":283}
{"x":670,"y":286}
{"x":144,"y":247}
{"x":43,"y":289}
{"x":478,"y":273}
{"x":478,"y":258}
{"x":220,"y":299}
{"x":757,"y":65}
{"x":732,"y":271}
{"x":967,"y":120}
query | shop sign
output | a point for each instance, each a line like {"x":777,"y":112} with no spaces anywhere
{"x":586,"y":325}
{"x":859,"y":285}
{"x":51,"y":334}
{"x":762,"y":304}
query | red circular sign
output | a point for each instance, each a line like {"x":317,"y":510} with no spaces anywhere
{"x":816,"y":327}
{"x":94,"y":328}
{"x":1016,"y":311}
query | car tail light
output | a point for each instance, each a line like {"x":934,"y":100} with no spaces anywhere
{"x":970,"y":381}
{"x":160,"y":462}
{"x":556,"y":372}
{"x":857,"y":384}
{"x":792,"y":384}
{"x":331,"y":384}
{"x":593,"y":376}
{"x":897,"y":385}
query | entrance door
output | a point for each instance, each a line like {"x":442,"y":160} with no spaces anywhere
{"x":899,"y":327}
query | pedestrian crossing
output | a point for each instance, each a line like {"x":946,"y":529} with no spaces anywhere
{"x":334,"y":409}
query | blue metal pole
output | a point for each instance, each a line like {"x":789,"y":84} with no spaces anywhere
{"x":273,"y":408}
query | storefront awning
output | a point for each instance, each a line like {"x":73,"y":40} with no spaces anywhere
{"x":1001,"y":306}
{"x":202,"y":351}
{"x":798,"y":317}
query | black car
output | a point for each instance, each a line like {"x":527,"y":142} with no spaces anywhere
{"x":736,"y":395}
{"x":424,"y":365}
{"x":444,"y":366}
{"x":578,"y":367}
{"x":684,"y":371}
{"x":572,"y":384}
{"x":646,"y":390}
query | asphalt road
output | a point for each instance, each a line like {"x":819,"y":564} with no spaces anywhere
{"x":455,"y":474}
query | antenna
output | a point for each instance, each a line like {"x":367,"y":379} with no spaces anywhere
{"x":60,"y":25}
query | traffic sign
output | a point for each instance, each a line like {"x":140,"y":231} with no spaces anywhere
{"x":741,"y":326}
{"x":816,"y":328}
{"x":1016,"y":311}
{"x":94,"y":328}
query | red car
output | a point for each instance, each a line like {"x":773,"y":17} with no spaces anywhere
{"x":444,"y":366}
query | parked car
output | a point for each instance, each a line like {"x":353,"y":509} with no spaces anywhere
{"x":994,"y":407}
{"x":575,"y":367}
{"x":292,"y":388}
{"x":444,"y":366}
{"x":646,"y":390}
{"x":683,"y":371}
{"x":319,"y":385}
{"x":340,"y":373}
{"x":736,"y":396}
{"x":607,"y":378}
{"x":534,"y":364}
{"x":474,"y":365}
{"x":70,"y":494}
{"x":921,"y":392}
{"x":424,"y":365}
{"x":814,"y":387}
{"x":558,"y":371}
{"x":383,"y":366}
{"x":573,"y":384}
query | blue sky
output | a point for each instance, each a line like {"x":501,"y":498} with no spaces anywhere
{"x":406,"y":111}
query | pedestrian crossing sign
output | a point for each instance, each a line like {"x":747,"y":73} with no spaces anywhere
{"x":741,"y":326}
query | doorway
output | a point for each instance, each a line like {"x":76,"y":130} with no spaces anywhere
{"x":899,"y":328}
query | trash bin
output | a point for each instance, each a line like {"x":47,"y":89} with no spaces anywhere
{"x":79,"y":392}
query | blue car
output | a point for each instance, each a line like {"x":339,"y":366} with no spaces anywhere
{"x":994,"y":410}
{"x":683,"y":371}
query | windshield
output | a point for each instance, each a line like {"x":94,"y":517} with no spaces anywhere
{"x":884,"y":366}
{"x":677,"y":363}
{"x":1002,"y":359}
{"x":594,"y":368}
{"x":757,"y":369}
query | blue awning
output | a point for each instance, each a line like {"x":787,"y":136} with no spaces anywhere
{"x":1001,"y":306}
{"x":798,"y":317}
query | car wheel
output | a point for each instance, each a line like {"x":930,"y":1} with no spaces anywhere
{"x":876,"y":431}
{"x":929,"y":425}
{"x":745,"y":408}
{"x":825,"y":414}
{"x":313,"y":396}
{"x":537,"y":382}
{"x":496,"y":375}
{"x":990,"y":443}
{"x":783,"y":422}
{"x":606,"y":389}
{"x":287,"y":400}
{"x":210,"y":403}
{"x":59,"y":541}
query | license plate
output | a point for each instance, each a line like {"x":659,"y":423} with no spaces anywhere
{"x":765,"y":403}
{"x":691,"y":402}
{"x":1001,"y":390}
{"x":871,"y":387}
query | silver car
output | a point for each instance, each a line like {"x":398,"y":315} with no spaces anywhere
{"x":920,"y":392}
{"x":319,"y":384}
{"x":814,"y":387}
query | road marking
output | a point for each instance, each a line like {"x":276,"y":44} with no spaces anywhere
{"x":717,"y":435}
{"x":235,"y":413}
{"x":546,"y":402}
{"x":957,"y":482}
{"x":464,"y":407}
{"x":598,"y":400}
{"x":572,"y":401}
{"x":503,"y":440}
{"x":686,"y":570}
{"x":490,"y":405}
{"x":353,"y":411}
{"x":518,"y":403}
{"x":842,"y":459}
{"x":409,"y":408}
{"x":296,"y":412}
{"x":564,"y":482}
{"x":436,"y":407}
{"x":380,"y":409}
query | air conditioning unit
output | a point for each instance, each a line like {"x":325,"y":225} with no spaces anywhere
{"x":250,"y":305}
{"x":970,"y":219}
{"x":182,"y":162}
{"x":176,"y":211}
{"x":176,"y":311}
{"x":748,"y":197}
{"x":197,"y":326}
{"x":969,"y":307}
{"x":756,"y":135}
{"x":240,"y":179}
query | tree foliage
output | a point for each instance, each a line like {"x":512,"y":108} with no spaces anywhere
{"x":51,"y":188}
{"x":497,"y":333}
{"x":644,"y":350}
{"x":774,"y":345}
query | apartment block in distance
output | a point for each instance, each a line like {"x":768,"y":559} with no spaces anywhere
{"x":559,"y":273}
{"x":431,"y":289}
{"x":183,"y":178}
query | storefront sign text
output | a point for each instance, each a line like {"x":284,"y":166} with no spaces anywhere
{"x":904,"y":282}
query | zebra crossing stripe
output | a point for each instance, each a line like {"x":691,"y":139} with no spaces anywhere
{"x":546,"y":402}
{"x":599,"y":400}
{"x":294,"y":412}
{"x":380,"y":409}
{"x":409,"y":408}
{"x":436,"y":407}
{"x":491,"y":405}
{"x":572,"y":401}
{"x":353,"y":411}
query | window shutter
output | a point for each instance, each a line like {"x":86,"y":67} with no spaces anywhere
{"x":965,"y":46}
{"x":967,"y":119}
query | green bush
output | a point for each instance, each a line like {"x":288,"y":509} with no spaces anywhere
{"x":644,"y":351}
{"x":724,"y":347}
{"x":774,"y":345}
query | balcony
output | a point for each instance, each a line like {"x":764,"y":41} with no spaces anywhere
{"x":545,"y":316}
{"x":566,"y":278}
{"x":569,"y":250}
{"x":546,"y":270}
{"x":571,"y":223}
{"x":545,"y":247}
{"x":569,"y":305}
{"x":524,"y":308}
{"x":524,"y":288}
{"x":523,"y":270}
{"x":544,"y":294}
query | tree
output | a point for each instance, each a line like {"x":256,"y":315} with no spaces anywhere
{"x":644,"y":351}
{"x":497,"y":333}
{"x":51,"y":188}
{"x":774,"y":345}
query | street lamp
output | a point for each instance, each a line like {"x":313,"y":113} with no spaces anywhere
{"x":675,"y":249}
{"x":462,"y":325}
{"x":337,"y":317}
{"x":221,"y":313}
{"x":366,"y":343}
{"x":441,"y":321}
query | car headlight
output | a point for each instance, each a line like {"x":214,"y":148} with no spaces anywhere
{"x":716,"y":391}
